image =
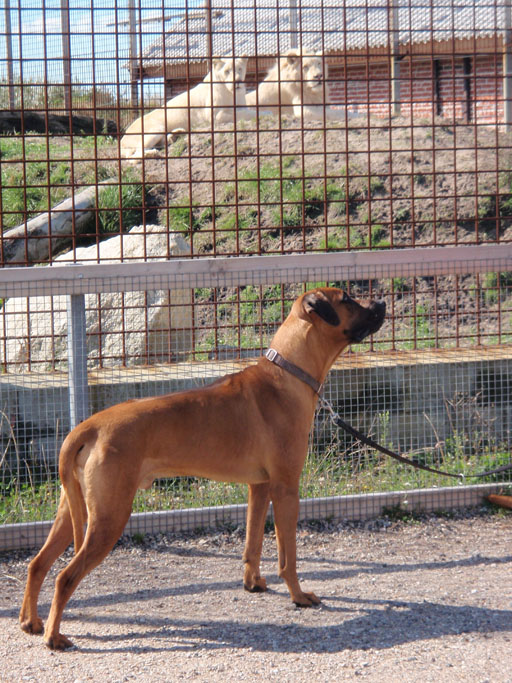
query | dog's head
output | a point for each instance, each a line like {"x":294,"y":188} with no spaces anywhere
{"x":341,"y":315}
{"x":231,"y":72}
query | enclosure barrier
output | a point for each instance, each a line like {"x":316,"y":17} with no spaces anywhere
{"x":399,"y":395}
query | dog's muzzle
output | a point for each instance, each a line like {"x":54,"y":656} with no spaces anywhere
{"x":371,"y":322}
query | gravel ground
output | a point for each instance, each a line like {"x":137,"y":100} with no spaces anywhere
{"x":424,"y":600}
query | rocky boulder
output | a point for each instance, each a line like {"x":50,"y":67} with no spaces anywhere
{"x":133,"y":327}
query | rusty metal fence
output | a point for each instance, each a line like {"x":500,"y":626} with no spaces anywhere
{"x":408,"y":141}
{"x":365,"y":127}
{"x":445,"y":405}
{"x":410,"y":145}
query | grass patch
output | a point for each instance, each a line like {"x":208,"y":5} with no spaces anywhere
{"x":184,"y":218}
{"x":35,"y":176}
{"x":120,"y":207}
{"x":337,"y":470}
{"x":496,"y":287}
{"x":28,"y":503}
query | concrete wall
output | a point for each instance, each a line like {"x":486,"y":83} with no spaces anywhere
{"x":410,"y":400}
{"x":454,"y":404}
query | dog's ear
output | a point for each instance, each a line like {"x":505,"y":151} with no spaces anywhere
{"x":317,"y":302}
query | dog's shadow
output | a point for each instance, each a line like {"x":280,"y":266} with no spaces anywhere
{"x":385,"y":624}
{"x":374,"y":624}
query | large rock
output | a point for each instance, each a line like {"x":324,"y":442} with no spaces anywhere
{"x":132,"y":327}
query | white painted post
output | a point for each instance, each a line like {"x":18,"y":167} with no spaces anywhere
{"x":77,"y":360}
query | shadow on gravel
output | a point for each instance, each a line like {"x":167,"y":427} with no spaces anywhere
{"x":363,"y":623}
{"x":345,"y":571}
{"x":383,"y":625}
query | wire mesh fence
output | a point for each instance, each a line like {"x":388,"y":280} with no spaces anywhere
{"x":142,"y":131}
{"x":414,"y":387}
{"x":386,"y":124}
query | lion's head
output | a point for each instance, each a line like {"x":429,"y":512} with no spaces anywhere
{"x":231,"y":72}
{"x":308,"y":68}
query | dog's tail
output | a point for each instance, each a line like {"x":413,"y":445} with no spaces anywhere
{"x":72,"y":446}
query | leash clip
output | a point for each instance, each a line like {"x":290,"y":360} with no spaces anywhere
{"x":325,"y":404}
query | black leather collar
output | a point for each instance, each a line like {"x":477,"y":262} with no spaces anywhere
{"x":274,"y":357}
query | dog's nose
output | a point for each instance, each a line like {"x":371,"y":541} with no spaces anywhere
{"x":378,"y":310}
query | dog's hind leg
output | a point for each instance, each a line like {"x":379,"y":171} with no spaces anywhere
{"x":259,"y":498}
{"x":286,"y":513}
{"x":107,"y":519}
{"x":60,"y":536}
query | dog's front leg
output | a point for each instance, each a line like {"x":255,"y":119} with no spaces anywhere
{"x":286,"y":514}
{"x":259,"y":498}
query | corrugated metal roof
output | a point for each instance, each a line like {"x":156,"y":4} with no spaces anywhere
{"x":263,"y":27}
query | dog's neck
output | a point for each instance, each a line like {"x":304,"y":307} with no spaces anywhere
{"x":310,"y":357}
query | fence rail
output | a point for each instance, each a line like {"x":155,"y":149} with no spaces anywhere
{"x":177,"y":267}
{"x":217,"y":272}
{"x":446,"y":406}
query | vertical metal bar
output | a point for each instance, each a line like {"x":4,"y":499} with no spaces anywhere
{"x":437,"y":87}
{"x":8,"y":45}
{"x":507,"y":68}
{"x":134,"y":96}
{"x":293,"y":23}
{"x":467,"y":88}
{"x":395,"y":56}
{"x":66,"y":53}
{"x":77,"y":359}
{"x":208,"y":19}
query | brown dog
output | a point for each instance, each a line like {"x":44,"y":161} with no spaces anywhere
{"x":248,"y":427}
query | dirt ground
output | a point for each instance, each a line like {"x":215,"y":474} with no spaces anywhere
{"x":426,"y":600}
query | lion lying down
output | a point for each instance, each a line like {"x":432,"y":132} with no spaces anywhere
{"x":296,"y":85}
{"x":211,"y":102}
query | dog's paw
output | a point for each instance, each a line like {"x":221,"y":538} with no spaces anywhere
{"x":255,"y":585}
{"x":58,"y":642}
{"x":306,"y":600}
{"x":33,"y":626}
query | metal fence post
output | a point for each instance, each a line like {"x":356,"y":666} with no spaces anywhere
{"x":77,"y":359}
{"x":507,"y":68}
{"x":394,"y":29}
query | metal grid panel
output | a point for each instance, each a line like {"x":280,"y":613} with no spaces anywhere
{"x":424,"y":158}
{"x":415,"y":390}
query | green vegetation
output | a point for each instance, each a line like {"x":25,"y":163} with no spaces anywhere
{"x":37,"y":175}
{"x":291,"y":199}
{"x":335,"y":471}
{"x":28,"y":502}
{"x":187,"y":219}
{"x":420,"y":333}
{"x":120,"y":207}
{"x":496,"y":287}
